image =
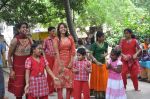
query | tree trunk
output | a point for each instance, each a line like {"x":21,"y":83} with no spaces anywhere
{"x":69,"y":19}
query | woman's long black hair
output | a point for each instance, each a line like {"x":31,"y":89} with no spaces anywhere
{"x":58,"y":32}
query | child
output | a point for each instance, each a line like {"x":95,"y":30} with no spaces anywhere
{"x":145,"y":56}
{"x":81,"y":69}
{"x":36,"y":81}
{"x":115,"y":88}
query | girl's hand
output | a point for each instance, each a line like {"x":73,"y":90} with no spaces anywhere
{"x":99,"y":63}
{"x":109,"y":66}
{"x":125,"y":57}
{"x":12,"y":74}
{"x":76,"y":71}
{"x":26,"y":89}
{"x":69,"y":66}
{"x":56,"y":80}
{"x":89,"y":70}
{"x":134,"y":56}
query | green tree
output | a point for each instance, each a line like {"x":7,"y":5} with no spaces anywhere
{"x":68,"y":6}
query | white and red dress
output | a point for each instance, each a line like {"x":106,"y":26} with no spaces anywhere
{"x":38,"y":85}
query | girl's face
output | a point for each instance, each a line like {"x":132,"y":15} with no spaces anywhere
{"x":80,"y":56}
{"x":101,"y":38}
{"x":38,"y":50}
{"x":23,"y":29}
{"x":127,"y":34}
{"x":62,"y":29}
{"x":113,"y":56}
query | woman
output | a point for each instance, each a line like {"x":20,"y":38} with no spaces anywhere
{"x":19,"y":50}
{"x":65,"y":50}
{"x":99,"y":73}
{"x":130,"y":50}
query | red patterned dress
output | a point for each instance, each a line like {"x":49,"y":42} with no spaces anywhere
{"x":38,"y":85}
{"x":66,"y":49}
{"x":22,"y":51}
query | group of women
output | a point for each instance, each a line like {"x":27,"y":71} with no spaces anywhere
{"x":60,"y":58}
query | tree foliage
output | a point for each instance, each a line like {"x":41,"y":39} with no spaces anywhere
{"x":31,"y":11}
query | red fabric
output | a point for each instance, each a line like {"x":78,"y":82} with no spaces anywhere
{"x":35,"y":67}
{"x":16,"y":86}
{"x":48,"y":46}
{"x":51,"y":60}
{"x":130,"y":65}
{"x":133,"y":78}
{"x":129,"y":48}
{"x":59,"y":93}
{"x":83,"y":75}
{"x":66,"y":49}
{"x":38,"y":86}
{"x":79,"y":87}
{"x":44,"y":97}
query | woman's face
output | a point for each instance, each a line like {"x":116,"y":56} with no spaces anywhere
{"x":62,"y":29}
{"x":127,"y":34}
{"x":23,"y":29}
{"x":102,"y":38}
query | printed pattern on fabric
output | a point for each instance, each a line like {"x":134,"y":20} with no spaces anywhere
{"x":38,"y":86}
{"x":83,"y":75}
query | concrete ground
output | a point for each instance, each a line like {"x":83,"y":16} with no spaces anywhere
{"x":131,"y":94}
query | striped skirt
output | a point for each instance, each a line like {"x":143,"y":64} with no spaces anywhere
{"x":115,"y":89}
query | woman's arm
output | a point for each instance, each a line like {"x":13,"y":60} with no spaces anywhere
{"x":27,"y":76}
{"x":50,"y":72}
{"x":72,"y":50}
{"x":57,"y":53}
{"x":27,"y":73}
{"x":11,"y":51}
{"x":138,"y":50}
{"x":94,"y":59}
{"x":56,"y":80}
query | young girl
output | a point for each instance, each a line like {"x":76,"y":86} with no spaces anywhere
{"x":115,"y":88}
{"x":81,"y":69}
{"x":36,"y":81}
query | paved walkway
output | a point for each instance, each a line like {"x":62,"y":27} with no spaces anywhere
{"x":131,"y":94}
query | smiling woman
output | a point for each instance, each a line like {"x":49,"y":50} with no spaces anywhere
{"x":19,"y":50}
{"x":65,"y":50}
